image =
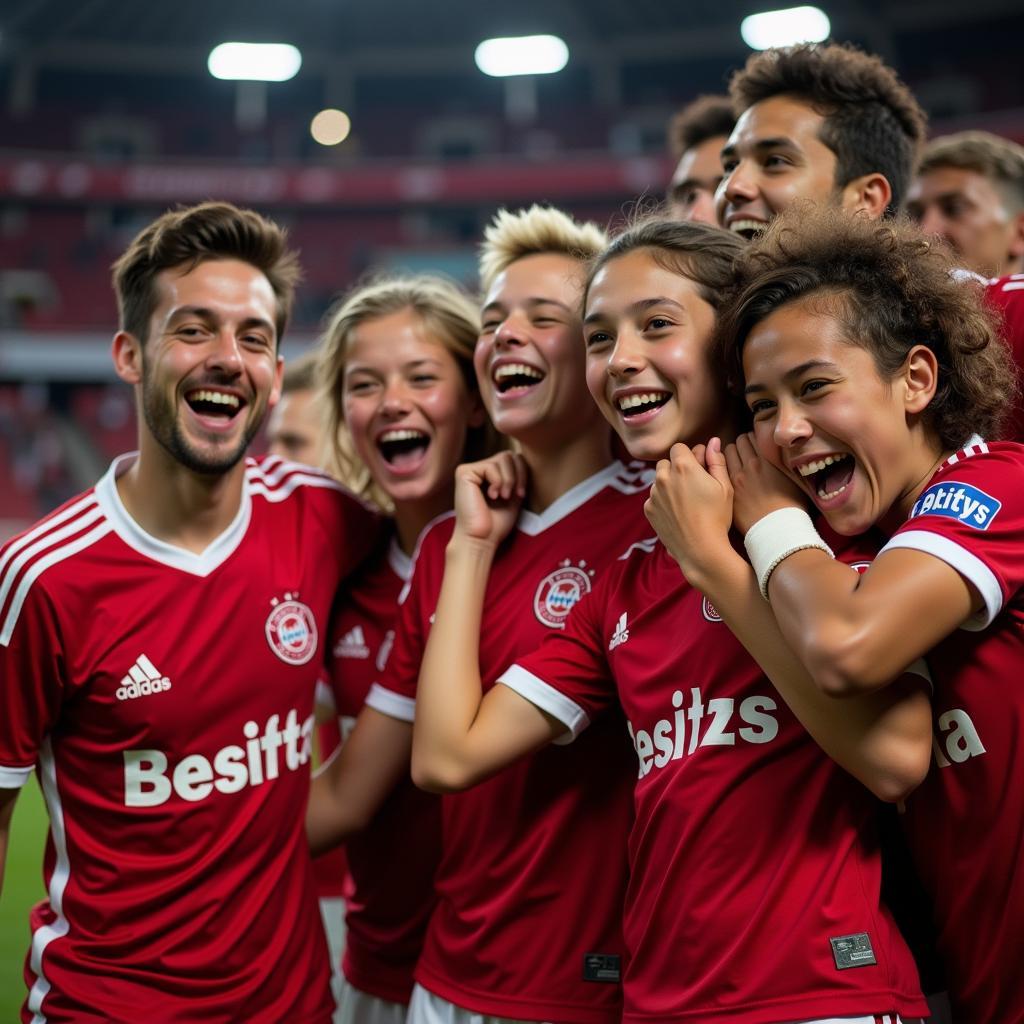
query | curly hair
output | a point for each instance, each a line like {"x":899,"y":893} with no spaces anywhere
{"x":188,"y":236}
{"x":447,"y":314}
{"x":996,"y":158}
{"x":889,"y":287}
{"x":540,"y":229}
{"x":872,"y":122}
{"x":703,"y":119}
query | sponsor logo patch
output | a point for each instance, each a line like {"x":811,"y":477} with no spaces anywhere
{"x":291,"y":630}
{"x":958,"y":501}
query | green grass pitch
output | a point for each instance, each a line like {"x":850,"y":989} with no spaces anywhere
{"x":23,"y":886}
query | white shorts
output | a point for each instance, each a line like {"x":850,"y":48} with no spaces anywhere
{"x":355,"y":1007}
{"x":878,"y":1018}
{"x":332,"y":913}
{"x":426,"y":1008}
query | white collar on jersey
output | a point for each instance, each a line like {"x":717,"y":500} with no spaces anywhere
{"x":533,"y":524}
{"x":400,"y":562}
{"x":216,"y":553}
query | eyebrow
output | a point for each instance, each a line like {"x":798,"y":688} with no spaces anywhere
{"x":794,"y":373}
{"x":764,"y":145}
{"x":639,"y":307}
{"x":531,"y":302}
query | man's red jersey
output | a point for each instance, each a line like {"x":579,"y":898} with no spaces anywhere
{"x":533,"y":874}
{"x":166,"y":701}
{"x":754,"y":895}
{"x":1006,"y":296}
{"x":964,"y":822}
{"x":390,"y":895}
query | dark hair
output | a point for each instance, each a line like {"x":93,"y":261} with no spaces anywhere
{"x":890,"y":288}
{"x":996,"y":158}
{"x":188,"y":236}
{"x":703,"y":119}
{"x":872,"y":122}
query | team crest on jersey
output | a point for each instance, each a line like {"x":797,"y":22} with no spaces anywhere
{"x":709,"y":611}
{"x":958,"y":501}
{"x":291,"y":630}
{"x":559,"y":591}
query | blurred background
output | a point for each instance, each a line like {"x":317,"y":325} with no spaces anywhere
{"x":109,"y":114}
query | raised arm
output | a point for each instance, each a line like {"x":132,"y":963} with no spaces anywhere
{"x":461,"y":736}
{"x":883,"y":739}
{"x":853,"y":632}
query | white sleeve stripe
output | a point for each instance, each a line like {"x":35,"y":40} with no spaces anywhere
{"x":47,"y":525}
{"x":547,"y":698}
{"x":39,"y":567}
{"x":14,"y":778}
{"x":394,"y":705}
{"x":972,"y":568}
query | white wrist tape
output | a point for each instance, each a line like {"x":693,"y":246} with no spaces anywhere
{"x":777,"y":536}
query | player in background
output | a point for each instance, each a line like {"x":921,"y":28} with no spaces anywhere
{"x":158,"y":657}
{"x":696,"y":136}
{"x":819,"y":122}
{"x":969,"y":191}
{"x":295,"y":427}
{"x":733,"y":849}
{"x":295,"y":432}
{"x":533,"y":872}
{"x":870,"y":373}
{"x":403,"y":410}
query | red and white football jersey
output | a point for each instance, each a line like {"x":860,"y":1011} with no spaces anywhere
{"x":528,"y":923}
{"x":390,"y":894}
{"x":754,"y":894}
{"x":166,"y":701}
{"x":1006,"y":296}
{"x":964,"y":822}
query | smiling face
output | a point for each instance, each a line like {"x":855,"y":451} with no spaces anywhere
{"x":208,"y":368}
{"x":406,"y":406}
{"x":648,"y":334}
{"x":825,"y":416}
{"x":773,"y":157}
{"x":529,"y":359}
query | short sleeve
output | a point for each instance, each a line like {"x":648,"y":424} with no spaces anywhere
{"x":31,"y":685}
{"x":971,"y":516}
{"x":568,"y":675}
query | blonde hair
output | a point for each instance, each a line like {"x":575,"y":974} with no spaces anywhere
{"x":540,"y":229}
{"x":448,"y":315}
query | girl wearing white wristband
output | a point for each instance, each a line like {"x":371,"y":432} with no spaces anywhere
{"x":870,"y":372}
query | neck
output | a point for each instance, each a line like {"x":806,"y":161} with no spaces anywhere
{"x":927,"y":455}
{"x":555,"y":470}
{"x":176,"y":505}
{"x":412,"y":516}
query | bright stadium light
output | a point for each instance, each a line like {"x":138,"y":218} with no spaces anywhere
{"x":521,"y":55}
{"x":330,"y":127}
{"x":254,"y":62}
{"x":785,"y":28}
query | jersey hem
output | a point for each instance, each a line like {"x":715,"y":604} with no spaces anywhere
{"x":544,"y":696}
{"x":367,"y":976}
{"x":972,"y":568}
{"x":14,"y":778}
{"x":394,"y":705}
{"x":519,"y":1009}
{"x":812,"y":1009}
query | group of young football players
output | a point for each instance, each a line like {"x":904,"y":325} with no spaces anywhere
{"x":649,"y":585}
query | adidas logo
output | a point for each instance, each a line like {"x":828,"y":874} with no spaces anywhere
{"x":142,"y":680}
{"x":621,"y":633}
{"x":352,"y":645}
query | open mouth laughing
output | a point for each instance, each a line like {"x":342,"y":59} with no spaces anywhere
{"x":635,"y":404}
{"x":513,"y":379}
{"x":403,"y":448}
{"x":828,"y":476}
{"x":214,"y":407}
{"x":747,"y":227}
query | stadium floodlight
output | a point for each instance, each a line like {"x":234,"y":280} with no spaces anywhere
{"x":785,"y":28}
{"x":330,"y":127}
{"x":254,"y":62}
{"x":521,"y":55}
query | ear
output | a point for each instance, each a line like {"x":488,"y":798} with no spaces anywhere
{"x":919,"y":378}
{"x":870,"y":194}
{"x":275,"y":391}
{"x":1016,"y":250}
{"x":126,"y":351}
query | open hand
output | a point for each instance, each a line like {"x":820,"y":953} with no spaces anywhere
{"x":759,"y":488}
